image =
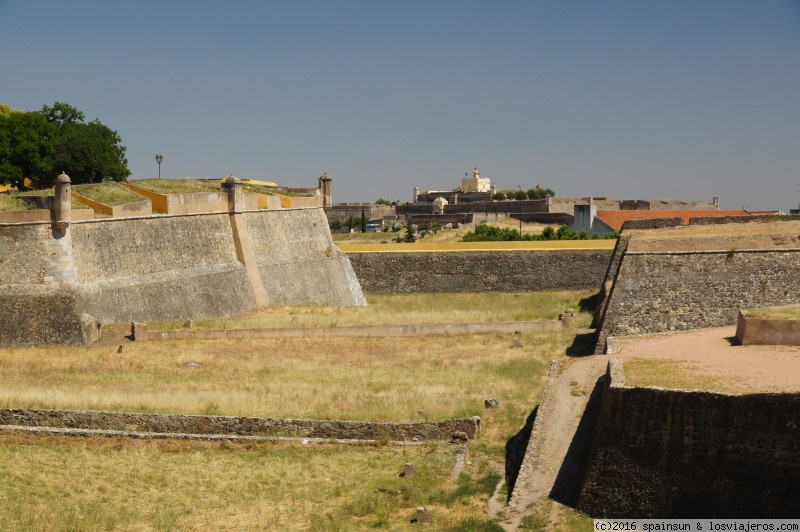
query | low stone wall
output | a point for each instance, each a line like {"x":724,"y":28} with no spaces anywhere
{"x":480,"y":271}
{"x":41,"y":215}
{"x":370,"y":331}
{"x":137,"y":208}
{"x":241,"y":426}
{"x":532,"y":449}
{"x":190,"y":202}
{"x":682,"y":454}
{"x":764,"y":331}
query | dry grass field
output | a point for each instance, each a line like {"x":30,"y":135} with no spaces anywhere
{"x":10,"y":202}
{"x":788,"y":312}
{"x":408,"y":309}
{"x":66,"y":483}
{"x":177,"y":186}
{"x":110,"y":193}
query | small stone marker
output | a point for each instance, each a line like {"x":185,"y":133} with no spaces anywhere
{"x":138,"y":331}
{"x":459,"y":437}
{"x":515,"y":343}
{"x":188,"y":324}
{"x":423,"y":414}
{"x":410,"y":471}
{"x":423,"y":515}
{"x":122,"y":349}
{"x":491,"y":403}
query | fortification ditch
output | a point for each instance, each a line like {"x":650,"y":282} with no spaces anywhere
{"x":239,"y":426}
{"x":662,"y":453}
{"x":480,"y":271}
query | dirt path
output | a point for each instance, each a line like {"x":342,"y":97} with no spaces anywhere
{"x":716,"y":364}
{"x":557,"y":420}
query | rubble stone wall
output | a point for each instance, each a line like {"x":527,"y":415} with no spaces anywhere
{"x":480,"y":271}
{"x":662,"y":453}
{"x":241,"y":426}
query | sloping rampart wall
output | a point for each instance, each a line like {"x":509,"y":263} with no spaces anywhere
{"x":681,"y":454}
{"x":679,"y":284}
{"x":56,"y":286}
{"x":297,"y":260}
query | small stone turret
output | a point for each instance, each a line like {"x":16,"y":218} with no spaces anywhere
{"x":232,"y":186}
{"x":62,"y":203}
{"x":326,"y":189}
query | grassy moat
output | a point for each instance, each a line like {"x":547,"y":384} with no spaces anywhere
{"x":58,"y":482}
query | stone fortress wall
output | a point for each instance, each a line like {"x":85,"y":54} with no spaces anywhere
{"x":480,"y":271}
{"x":676,"y":279}
{"x":661,"y":453}
{"x":62,"y":280}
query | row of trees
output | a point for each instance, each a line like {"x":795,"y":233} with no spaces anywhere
{"x":491,"y":233}
{"x":39,"y":145}
{"x":520,"y":195}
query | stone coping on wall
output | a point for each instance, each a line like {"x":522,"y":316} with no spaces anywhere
{"x":222,"y":427}
{"x":535,"y":441}
{"x":510,"y":327}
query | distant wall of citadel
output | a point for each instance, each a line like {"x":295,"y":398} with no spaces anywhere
{"x":58,"y":286}
{"x":679,"y":454}
{"x":480,"y":271}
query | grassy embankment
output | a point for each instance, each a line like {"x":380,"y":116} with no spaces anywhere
{"x":92,"y":483}
{"x":788,"y":312}
{"x":10,"y":202}
{"x":111,"y":194}
{"x":177,"y":186}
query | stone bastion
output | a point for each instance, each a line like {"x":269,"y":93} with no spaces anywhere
{"x":697,"y":276}
{"x":666,"y":453}
{"x":63,"y":279}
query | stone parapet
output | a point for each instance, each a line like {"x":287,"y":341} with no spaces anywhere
{"x":242,"y":426}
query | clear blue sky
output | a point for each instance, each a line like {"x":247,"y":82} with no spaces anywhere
{"x":625,"y":99}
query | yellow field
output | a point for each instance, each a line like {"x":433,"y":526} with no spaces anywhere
{"x":423,"y":246}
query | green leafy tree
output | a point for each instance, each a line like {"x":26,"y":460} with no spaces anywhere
{"x":409,"y":238}
{"x":27,"y":142}
{"x":41,"y":144}
{"x":92,"y":152}
{"x":540,"y":193}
